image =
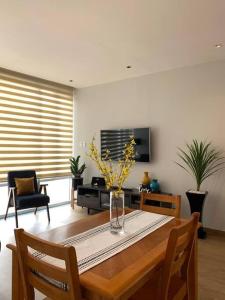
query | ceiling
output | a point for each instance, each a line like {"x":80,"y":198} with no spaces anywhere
{"x":92,"y":41}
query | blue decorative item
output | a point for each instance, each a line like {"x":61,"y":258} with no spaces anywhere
{"x":154,"y":186}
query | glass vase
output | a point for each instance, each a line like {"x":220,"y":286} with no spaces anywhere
{"x":117,"y":212}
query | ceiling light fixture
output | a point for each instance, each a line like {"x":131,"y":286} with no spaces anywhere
{"x":220,"y":45}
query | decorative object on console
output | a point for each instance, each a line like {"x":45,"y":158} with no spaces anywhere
{"x":114,"y":175}
{"x":98,"y":181}
{"x":201,"y":160}
{"x":146,"y":179}
{"x":154,"y":186}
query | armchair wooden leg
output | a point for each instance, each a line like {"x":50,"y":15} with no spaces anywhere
{"x":48,"y":213}
{"x":35,"y":211}
{"x":6,"y":214}
{"x":16,"y":217}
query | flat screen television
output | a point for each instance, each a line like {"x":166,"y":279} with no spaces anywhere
{"x":115,"y":139}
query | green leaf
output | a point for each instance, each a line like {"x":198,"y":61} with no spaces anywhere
{"x":201,"y":160}
{"x":74,"y":166}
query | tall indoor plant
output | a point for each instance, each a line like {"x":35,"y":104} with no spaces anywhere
{"x":201,"y":160}
{"x":115,"y":176}
{"x":76,"y":171}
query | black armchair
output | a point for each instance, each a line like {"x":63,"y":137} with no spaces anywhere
{"x":34,"y":200}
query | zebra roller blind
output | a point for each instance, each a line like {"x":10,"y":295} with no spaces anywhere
{"x":36,"y":125}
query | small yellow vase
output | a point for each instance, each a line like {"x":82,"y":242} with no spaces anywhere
{"x":146,"y":179}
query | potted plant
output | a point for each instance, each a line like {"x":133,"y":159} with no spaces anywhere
{"x":77,"y":171}
{"x":201,"y":160}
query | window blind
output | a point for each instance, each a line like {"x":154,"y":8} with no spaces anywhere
{"x":36,"y":125}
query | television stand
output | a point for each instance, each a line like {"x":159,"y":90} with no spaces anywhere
{"x":98,"y":197}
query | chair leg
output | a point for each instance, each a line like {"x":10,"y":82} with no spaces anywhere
{"x":48,"y":213}
{"x":35,"y":211}
{"x":16,"y":217}
{"x":6,"y":214}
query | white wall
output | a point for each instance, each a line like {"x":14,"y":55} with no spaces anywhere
{"x":178,"y":105}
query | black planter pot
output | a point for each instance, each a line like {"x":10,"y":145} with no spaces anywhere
{"x":76,"y":181}
{"x":196,"y":201}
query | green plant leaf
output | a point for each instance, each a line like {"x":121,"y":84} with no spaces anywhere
{"x":74,"y":166}
{"x":201,"y":160}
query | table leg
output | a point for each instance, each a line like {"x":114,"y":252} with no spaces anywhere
{"x":17,"y":288}
{"x":72,"y":198}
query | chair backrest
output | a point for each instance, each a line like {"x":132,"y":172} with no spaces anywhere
{"x":53,"y":281}
{"x":179,"y":250}
{"x":160,"y":201}
{"x":22,"y":174}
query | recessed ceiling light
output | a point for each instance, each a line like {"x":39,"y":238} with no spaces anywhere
{"x":128,"y":67}
{"x":220,"y":45}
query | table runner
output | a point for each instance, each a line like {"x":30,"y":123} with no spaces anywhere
{"x":98,"y":244}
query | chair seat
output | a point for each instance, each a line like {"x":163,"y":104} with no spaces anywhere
{"x":33,"y":200}
{"x":150,"y":291}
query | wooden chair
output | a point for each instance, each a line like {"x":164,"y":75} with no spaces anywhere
{"x":173,"y":201}
{"x":52,"y":281}
{"x":174,"y":281}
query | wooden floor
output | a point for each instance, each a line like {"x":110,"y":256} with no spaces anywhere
{"x":211,"y":251}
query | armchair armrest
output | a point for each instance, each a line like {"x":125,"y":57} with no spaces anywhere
{"x":12,"y":188}
{"x":43,"y":186}
{"x":12,"y":195}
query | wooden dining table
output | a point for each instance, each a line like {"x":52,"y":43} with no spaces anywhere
{"x":124,"y":273}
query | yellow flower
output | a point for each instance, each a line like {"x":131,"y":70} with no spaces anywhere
{"x":113,"y":176}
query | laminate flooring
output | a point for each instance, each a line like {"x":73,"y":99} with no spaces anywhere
{"x":211,"y":251}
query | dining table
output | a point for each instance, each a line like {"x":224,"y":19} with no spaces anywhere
{"x":121,"y":275}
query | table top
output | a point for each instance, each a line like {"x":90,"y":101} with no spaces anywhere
{"x":116,"y":275}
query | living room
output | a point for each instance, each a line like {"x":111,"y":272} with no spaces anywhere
{"x":112,"y":65}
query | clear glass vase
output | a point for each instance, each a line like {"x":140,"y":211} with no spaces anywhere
{"x":117,"y":212}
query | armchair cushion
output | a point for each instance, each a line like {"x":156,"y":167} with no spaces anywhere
{"x":24,"y":186}
{"x":33,"y":200}
{"x":22,"y":174}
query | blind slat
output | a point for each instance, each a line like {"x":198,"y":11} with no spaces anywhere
{"x":44,"y":140}
{"x":36,"y":125}
{"x":32,"y":97}
{"x":44,"y":94}
{"x":34,"y":146}
{"x":64,"y":169}
{"x":34,"y":115}
{"x":37,"y":133}
{"x":12,"y":106}
{"x":38,"y":83}
{"x":35,"y":165}
{"x":41,"y":158}
{"x":32,"y":104}
{"x":23,"y":126}
{"x":42,"y":122}
{"x":33,"y":152}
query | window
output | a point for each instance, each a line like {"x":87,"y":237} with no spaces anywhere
{"x":36,"y":125}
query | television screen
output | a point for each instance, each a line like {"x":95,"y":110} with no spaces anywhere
{"x":115,"y":140}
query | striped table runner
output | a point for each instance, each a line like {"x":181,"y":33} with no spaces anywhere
{"x":98,"y":244}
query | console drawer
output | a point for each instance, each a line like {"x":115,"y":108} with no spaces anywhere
{"x":88,"y":201}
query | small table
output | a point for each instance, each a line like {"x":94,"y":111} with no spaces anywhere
{"x":75,"y":182}
{"x":119,"y":276}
